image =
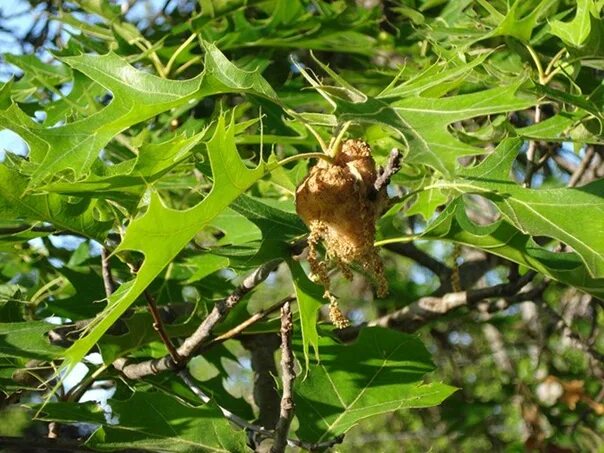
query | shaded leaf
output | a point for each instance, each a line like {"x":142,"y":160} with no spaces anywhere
{"x":502,"y":239}
{"x":153,"y":421}
{"x":571,"y":215}
{"x":28,"y":340}
{"x":72,"y":215}
{"x":380,"y":372}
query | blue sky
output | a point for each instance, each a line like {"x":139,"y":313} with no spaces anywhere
{"x":19,"y":25}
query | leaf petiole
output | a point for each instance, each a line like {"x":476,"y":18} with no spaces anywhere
{"x":400,"y":239}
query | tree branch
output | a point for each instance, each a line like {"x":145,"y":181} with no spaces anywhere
{"x":410,"y":250}
{"x":469,"y":271}
{"x":191,"y":344}
{"x":237,"y":330}
{"x":262,"y":348}
{"x":424,"y":310}
{"x":288,"y":375}
{"x":385,"y":174}
{"x":29,"y":444}
{"x":583,"y":166}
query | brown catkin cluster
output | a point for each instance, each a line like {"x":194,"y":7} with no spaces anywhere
{"x":339,"y":204}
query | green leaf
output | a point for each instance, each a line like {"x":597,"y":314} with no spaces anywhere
{"x":28,"y":340}
{"x":275,"y":224}
{"x":310,"y":299}
{"x":426,"y":202}
{"x":432,"y":77}
{"x":503,"y":239}
{"x":236,"y":228}
{"x":89,"y":297}
{"x":578,"y":29}
{"x":88,"y":29}
{"x":424,"y":122}
{"x":136,"y":96}
{"x":570,"y":215}
{"x":555,"y":128}
{"x":136,"y":332}
{"x":270,"y":235}
{"x":161,"y":233}
{"x":520,"y":19}
{"x":203,"y":265}
{"x":379,"y":373}
{"x":335,"y":27}
{"x":133,"y":175}
{"x":38,"y":74}
{"x":152,"y":421}
{"x":77,"y":215}
{"x":103,"y":8}
{"x":79,"y":103}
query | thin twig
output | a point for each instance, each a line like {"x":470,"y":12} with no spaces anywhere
{"x":158,"y":325}
{"x":108,"y":281}
{"x":262,"y":314}
{"x":192,"y":344}
{"x":288,"y":375}
{"x":419,"y":313}
{"x":583,"y":166}
{"x":385,"y":174}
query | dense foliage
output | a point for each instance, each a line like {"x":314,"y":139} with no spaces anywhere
{"x":152,"y":260}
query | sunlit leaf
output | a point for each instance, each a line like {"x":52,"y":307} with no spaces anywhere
{"x":576,"y":31}
{"x":161,"y":233}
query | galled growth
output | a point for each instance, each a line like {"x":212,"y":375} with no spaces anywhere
{"x":340,"y":203}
